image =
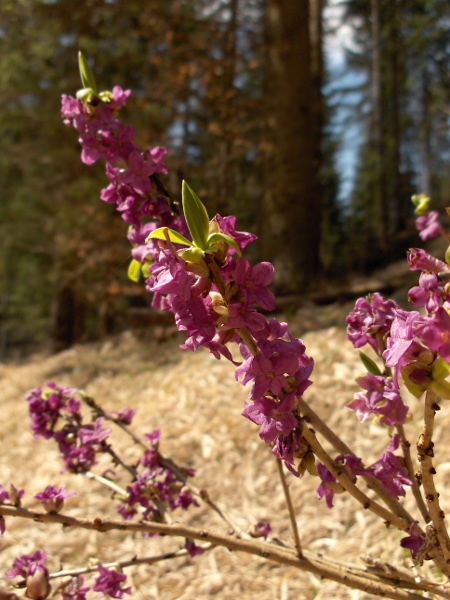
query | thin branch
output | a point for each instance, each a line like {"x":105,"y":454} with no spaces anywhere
{"x":106,"y":482}
{"x":118,"y":461}
{"x":202,"y":494}
{"x":308,"y":562}
{"x":406,"y":448}
{"x":290,"y":507}
{"x":373,"y":484}
{"x":369,"y":504}
{"x":385,"y":569}
{"x":149,"y":560}
{"x":165,"y":516}
{"x":425,"y":453}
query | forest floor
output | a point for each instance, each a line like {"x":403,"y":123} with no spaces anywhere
{"x":196,"y":403}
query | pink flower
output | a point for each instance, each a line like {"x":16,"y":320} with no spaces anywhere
{"x":75,"y":590}
{"x":428,"y":225}
{"x":119,"y":97}
{"x":435,"y":333}
{"x":139,"y":172}
{"x":372,"y":316}
{"x":418,"y":259}
{"x":391,"y":471}
{"x":110,"y":583}
{"x":53,"y":498}
{"x":275,"y":418}
{"x":382,"y":397}
{"x":253,"y":282}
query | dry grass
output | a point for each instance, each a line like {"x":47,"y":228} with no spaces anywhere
{"x":196,"y":403}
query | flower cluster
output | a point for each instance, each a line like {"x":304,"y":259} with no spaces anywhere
{"x":160,"y":486}
{"x":350,"y":465}
{"x":32,"y":569}
{"x":390,"y":470}
{"x":211,"y":289}
{"x":381,"y":397}
{"x":413,"y":346}
{"x":157,"y":487}
{"x":214,"y":303}
{"x":134,"y":188}
{"x":371,"y":321}
{"x":110,"y":583}
{"x":427,"y":220}
{"x":55,"y":413}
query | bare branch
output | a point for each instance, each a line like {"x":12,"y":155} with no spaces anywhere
{"x":290,"y":507}
{"x":346,"y":575}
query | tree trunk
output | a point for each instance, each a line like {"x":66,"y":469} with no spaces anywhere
{"x":400,"y":203}
{"x":290,"y":215}
{"x":378,"y":211}
{"x":226,"y":144}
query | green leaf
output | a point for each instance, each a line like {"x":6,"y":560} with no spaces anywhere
{"x":174,"y":236}
{"x":447,"y":256}
{"x":215,"y":238}
{"x":134,"y":271}
{"x":370,"y":365}
{"x":87,"y":76}
{"x":196,"y":217}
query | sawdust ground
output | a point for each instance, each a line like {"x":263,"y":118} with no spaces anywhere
{"x":196,"y":403}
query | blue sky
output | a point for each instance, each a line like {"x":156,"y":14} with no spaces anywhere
{"x":335,"y":48}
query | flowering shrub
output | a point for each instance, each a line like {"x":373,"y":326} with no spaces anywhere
{"x":195,"y":268}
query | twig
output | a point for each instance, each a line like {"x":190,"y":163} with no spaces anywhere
{"x":118,"y":461}
{"x":169,"y":464}
{"x":149,"y":560}
{"x":373,"y":484}
{"x":290,"y":507}
{"x":308,"y":562}
{"x":106,"y":482}
{"x":369,"y":504}
{"x":409,"y":465}
{"x":424,"y":454}
{"x":385,"y":569}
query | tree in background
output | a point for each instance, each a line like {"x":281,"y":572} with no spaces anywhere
{"x":234,"y":89}
{"x":401,"y":48}
{"x":290,"y":217}
{"x":197,"y":72}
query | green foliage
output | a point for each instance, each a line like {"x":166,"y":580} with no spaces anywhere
{"x":369,"y":364}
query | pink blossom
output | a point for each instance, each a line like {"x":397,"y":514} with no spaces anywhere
{"x":274,"y":417}
{"x":428,"y":225}
{"x":110,"y":582}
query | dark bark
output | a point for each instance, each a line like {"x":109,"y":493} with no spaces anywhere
{"x":68,"y":324}
{"x":226,"y":144}
{"x":290,"y":215}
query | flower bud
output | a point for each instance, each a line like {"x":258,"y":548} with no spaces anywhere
{"x":53,"y":505}
{"x":218,"y":304}
{"x":15,"y":495}
{"x":38,"y":585}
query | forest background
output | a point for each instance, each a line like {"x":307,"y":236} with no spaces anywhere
{"x":312,"y":122}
